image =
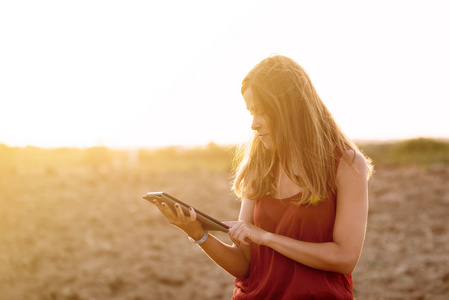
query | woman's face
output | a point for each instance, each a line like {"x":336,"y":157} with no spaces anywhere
{"x":260,"y":121}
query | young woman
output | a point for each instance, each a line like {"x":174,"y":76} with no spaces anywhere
{"x":303,"y":186}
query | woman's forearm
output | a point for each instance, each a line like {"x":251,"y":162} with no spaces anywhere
{"x":324,"y":256}
{"x":231,"y":258}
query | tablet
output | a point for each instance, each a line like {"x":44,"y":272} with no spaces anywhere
{"x":208,"y":222}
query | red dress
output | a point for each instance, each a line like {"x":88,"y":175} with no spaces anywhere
{"x":275,"y":276}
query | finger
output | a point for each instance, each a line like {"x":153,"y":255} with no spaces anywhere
{"x":180,"y":213}
{"x":238,"y":228}
{"x":160,"y":207}
{"x":246,"y":237}
{"x":234,"y":234}
{"x":242,"y":234}
{"x":168,"y":212}
{"x":192,"y":212}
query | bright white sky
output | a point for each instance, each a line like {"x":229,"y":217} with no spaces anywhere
{"x":151,"y":73}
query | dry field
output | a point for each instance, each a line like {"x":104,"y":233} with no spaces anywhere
{"x":79,"y":232}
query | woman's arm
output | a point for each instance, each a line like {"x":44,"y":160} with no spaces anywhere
{"x":343,"y":253}
{"x":235,"y":260}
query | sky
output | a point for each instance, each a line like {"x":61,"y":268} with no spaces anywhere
{"x":155,"y":73}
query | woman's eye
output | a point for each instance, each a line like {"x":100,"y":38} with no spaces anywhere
{"x":257,"y":111}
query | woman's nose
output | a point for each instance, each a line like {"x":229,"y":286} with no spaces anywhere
{"x":255,"y":125}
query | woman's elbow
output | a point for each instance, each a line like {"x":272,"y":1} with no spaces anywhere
{"x":343,"y":262}
{"x":240,"y":267}
{"x":241,"y":272}
{"x":347,"y":264}
{"x":241,"y":276}
{"x":348,"y":268}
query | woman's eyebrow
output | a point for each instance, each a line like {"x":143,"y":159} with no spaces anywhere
{"x":251,"y":110}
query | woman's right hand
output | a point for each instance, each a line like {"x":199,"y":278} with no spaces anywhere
{"x":189,"y":224}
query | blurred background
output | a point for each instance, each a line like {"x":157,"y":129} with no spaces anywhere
{"x":146,"y":73}
{"x":103,"y":101}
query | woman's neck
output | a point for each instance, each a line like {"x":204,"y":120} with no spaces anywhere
{"x":286,"y":188}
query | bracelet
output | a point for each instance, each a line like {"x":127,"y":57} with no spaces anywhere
{"x":202,"y":240}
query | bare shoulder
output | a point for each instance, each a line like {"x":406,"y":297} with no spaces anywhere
{"x":352,"y":166}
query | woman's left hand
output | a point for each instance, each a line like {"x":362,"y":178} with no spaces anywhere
{"x":245,"y":233}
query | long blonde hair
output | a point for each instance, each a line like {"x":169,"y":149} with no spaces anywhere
{"x":303,"y":132}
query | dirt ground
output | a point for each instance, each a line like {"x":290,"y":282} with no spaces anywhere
{"x":80,"y":233}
